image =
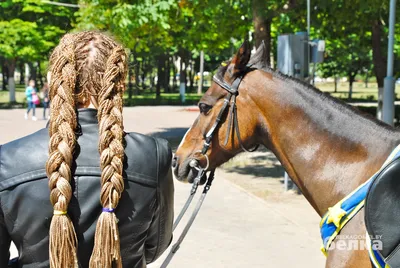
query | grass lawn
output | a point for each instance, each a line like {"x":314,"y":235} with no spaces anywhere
{"x":164,"y":99}
{"x":19,"y":94}
{"x":144,"y":99}
{"x":360,"y":92}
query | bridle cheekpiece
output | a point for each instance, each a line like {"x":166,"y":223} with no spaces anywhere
{"x":230,"y":100}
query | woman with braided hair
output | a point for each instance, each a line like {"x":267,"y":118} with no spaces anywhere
{"x":111,"y":192}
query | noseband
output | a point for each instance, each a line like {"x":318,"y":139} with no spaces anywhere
{"x":233,"y":92}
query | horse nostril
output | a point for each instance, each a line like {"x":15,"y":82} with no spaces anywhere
{"x":174,"y":161}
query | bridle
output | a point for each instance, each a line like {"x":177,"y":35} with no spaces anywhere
{"x":233,"y":92}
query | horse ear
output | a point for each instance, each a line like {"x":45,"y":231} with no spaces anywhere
{"x":261,"y":50}
{"x":260,"y":57}
{"x":242,"y":56}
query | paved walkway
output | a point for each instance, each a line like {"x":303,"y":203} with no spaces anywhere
{"x":234,"y":228}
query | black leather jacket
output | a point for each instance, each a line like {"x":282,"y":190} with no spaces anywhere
{"x":145,"y":211}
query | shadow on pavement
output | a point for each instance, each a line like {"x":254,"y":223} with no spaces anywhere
{"x":173,"y":135}
{"x":175,"y":132}
{"x":263,"y":165}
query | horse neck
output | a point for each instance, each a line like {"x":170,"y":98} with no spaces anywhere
{"x":326,"y":147}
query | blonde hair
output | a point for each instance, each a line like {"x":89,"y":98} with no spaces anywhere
{"x":86,"y":66}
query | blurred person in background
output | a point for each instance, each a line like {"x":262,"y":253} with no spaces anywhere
{"x":45,"y":99}
{"x":30,"y":93}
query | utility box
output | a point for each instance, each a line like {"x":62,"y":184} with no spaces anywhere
{"x":293,"y":52}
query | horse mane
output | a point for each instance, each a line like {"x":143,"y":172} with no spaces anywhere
{"x":259,"y":61}
{"x":323,"y":96}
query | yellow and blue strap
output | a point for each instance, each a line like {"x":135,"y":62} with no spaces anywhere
{"x":337,"y":216}
{"x":376,"y":258}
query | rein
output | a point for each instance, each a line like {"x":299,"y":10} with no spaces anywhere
{"x":207,"y":187}
{"x":230,"y":99}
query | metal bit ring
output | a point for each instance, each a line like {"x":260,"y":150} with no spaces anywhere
{"x":208,"y":160}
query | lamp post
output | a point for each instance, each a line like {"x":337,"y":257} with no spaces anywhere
{"x":388,"y":93}
{"x":308,"y":27}
{"x":200,"y":85}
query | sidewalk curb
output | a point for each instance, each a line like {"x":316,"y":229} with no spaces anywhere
{"x":192,"y":109}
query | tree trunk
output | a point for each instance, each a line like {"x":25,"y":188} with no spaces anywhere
{"x":160,"y":74}
{"x":4,"y":71}
{"x":168,"y":74}
{"x":262,"y":26}
{"x":151,"y":82}
{"x":143,"y":74}
{"x":39,"y":75}
{"x":366,"y":79}
{"x":378,"y":57}
{"x":191,"y":76}
{"x":11,"y":83}
{"x":33,"y":71}
{"x":379,"y":62}
{"x":351,"y":81}
{"x":165,"y":73}
{"x":137,"y":76}
{"x":152,"y":79}
{"x":336,"y":80}
{"x":182,"y":79}
{"x":22,"y":72}
{"x":130,"y":85}
{"x":174,"y":72}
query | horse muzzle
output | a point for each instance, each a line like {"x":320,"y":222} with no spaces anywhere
{"x":187,"y":170}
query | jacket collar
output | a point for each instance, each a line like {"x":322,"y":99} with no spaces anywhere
{"x":87,"y":116}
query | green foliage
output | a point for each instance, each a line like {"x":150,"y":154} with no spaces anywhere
{"x":156,"y":30}
{"x":171,"y":25}
{"x":29,"y":29}
{"x":25,"y":40}
{"x":346,"y":57}
{"x":209,"y":25}
{"x":138,"y":26}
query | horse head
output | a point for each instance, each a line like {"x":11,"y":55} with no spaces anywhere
{"x":218,"y":104}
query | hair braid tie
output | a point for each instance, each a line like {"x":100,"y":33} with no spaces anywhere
{"x":106,"y":251}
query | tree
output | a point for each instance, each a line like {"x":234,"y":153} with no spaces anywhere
{"x":142,"y":27}
{"x":348,"y":56}
{"x":20,"y":39}
{"x":367,"y":19}
{"x":159,"y":30}
{"x":29,"y":29}
{"x":263,"y":14}
{"x":331,"y":68}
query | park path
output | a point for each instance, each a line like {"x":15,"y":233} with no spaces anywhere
{"x":234,"y":227}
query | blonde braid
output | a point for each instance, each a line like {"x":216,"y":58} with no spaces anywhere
{"x":106,"y":251}
{"x":62,"y":237}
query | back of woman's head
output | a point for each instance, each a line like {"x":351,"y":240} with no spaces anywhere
{"x":86,"y":67}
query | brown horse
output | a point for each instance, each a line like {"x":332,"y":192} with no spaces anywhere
{"x":327,"y":147}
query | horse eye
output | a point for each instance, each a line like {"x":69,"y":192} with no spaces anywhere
{"x":204,"y":108}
